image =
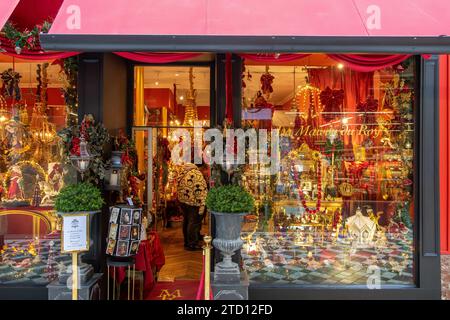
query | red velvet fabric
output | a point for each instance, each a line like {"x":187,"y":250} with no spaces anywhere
{"x":269,"y":58}
{"x":151,"y":57}
{"x":369,"y":62}
{"x":150,"y":254}
{"x":33,"y":54}
{"x":357,"y":62}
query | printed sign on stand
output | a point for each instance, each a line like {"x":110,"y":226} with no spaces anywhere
{"x":75,"y":232}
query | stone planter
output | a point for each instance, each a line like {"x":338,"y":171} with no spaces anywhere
{"x":227,"y":240}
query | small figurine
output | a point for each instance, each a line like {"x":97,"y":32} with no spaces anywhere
{"x":15,"y":190}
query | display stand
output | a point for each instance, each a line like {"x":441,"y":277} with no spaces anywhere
{"x":85,"y":291}
{"x":129,"y":263}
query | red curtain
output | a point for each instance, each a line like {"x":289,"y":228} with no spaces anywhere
{"x":369,"y":62}
{"x":270,"y":58}
{"x":33,"y":54}
{"x":150,"y":57}
{"x":357,"y":62}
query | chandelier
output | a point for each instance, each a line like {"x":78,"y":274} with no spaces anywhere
{"x":190,"y":114}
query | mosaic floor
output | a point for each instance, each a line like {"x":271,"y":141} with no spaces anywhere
{"x":18,"y":267}
{"x":279,"y":259}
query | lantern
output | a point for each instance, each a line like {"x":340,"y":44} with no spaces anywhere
{"x":114,"y":173}
{"x":83,"y":161}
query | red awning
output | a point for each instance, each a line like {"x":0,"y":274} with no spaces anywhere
{"x":6,"y":8}
{"x":189,"y":24}
{"x":254,"y":17}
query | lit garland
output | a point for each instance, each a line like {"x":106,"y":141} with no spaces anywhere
{"x":69,"y":67}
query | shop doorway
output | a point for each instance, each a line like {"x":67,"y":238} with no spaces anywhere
{"x":183,"y":266}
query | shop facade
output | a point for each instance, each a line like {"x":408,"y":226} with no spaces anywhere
{"x":353,"y":211}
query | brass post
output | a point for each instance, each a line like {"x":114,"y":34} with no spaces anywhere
{"x":75,"y":276}
{"x":207,"y":254}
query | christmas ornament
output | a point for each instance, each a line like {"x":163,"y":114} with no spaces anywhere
{"x":190,"y":113}
{"x":332,"y":103}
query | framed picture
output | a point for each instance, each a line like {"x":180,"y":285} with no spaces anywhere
{"x":113,"y":230}
{"x":136,"y":216}
{"x":114,"y":214}
{"x":135,"y":232}
{"x":122,"y":248}
{"x":124,"y":232}
{"x":134,"y":247}
{"x":111,"y":246}
{"x":125,"y":216}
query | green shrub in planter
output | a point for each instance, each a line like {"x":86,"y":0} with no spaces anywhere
{"x":79,"y":197}
{"x":229,"y":199}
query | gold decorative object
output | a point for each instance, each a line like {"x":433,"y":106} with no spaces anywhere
{"x":307,"y":99}
{"x":190,"y":112}
{"x":361,"y":229}
{"x":346,"y":189}
{"x":5,"y":115}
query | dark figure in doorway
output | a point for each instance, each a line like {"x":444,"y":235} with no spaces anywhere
{"x":191,"y":191}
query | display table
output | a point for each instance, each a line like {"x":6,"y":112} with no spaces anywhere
{"x":150,"y":257}
{"x":86,"y":291}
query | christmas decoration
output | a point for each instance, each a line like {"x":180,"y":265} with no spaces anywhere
{"x":95,"y":136}
{"x":11,"y":80}
{"x":266,"y":83}
{"x":28,"y":39}
{"x":190,"y":112}
{"x":69,"y":76}
{"x":332,"y":103}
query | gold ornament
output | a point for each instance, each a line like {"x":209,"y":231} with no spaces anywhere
{"x":346,"y":189}
{"x":190,"y":112}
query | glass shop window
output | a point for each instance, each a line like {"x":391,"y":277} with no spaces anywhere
{"x":171,"y":96}
{"x":37,"y":99}
{"x":166,"y":98}
{"x":340,"y":211}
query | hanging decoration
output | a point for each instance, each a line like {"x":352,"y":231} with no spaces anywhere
{"x":28,"y":39}
{"x":307,"y":99}
{"x":11,"y":80}
{"x":368,"y":109}
{"x":92,"y":135}
{"x":331,"y":100}
{"x":69,"y":77}
{"x":266,"y":83}
{"x":190,"y":111}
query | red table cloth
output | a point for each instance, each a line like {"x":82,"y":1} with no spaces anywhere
{"x":150,"y":254}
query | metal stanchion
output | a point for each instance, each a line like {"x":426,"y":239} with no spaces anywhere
{"x":207,"y":254}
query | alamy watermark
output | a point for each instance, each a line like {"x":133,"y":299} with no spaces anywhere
{"x":230,"y":147}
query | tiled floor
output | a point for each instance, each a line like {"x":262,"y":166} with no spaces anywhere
{"x":283,"y":261}
{"x":180,"y":263}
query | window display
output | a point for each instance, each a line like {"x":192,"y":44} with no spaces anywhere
{"x":32,"y":171}
{"x":340,"y":211}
